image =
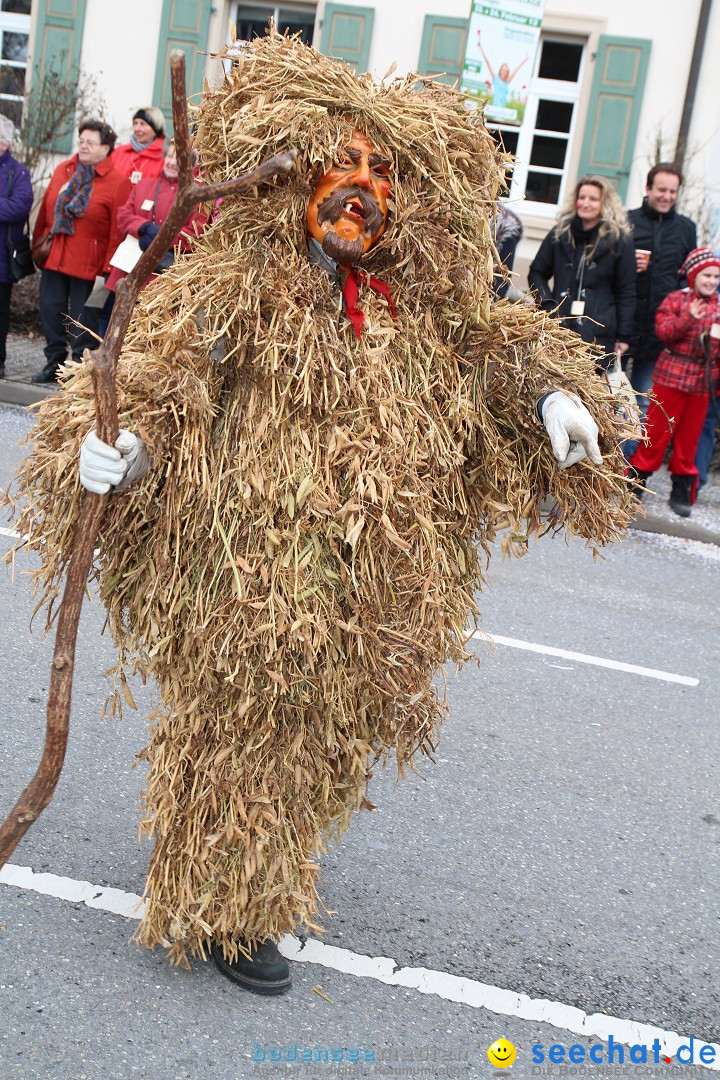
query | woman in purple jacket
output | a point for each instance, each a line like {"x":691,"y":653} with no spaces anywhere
{"x":16,"y":198}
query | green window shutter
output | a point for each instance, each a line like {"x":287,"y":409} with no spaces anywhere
{"x":184,"y":26}
{"x":58,"y":41}
{"x":615,"y":101}
{"x":346,"y":33}
{"x":443,"y":47}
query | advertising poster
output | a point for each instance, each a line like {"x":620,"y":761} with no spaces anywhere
{"x":499,"y":56}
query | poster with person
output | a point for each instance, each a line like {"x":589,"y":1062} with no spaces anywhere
{"x":499,"y":56}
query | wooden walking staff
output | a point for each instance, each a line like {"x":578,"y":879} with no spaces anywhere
{"x":102,"y":364}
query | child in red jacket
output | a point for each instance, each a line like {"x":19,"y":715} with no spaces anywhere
{"x":688,"y":323}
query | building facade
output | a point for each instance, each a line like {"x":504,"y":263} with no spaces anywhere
{"x":613,"y":84}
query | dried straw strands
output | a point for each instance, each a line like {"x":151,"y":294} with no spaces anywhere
{"x":306,"y":549}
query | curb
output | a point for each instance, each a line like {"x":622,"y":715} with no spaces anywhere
{"x":684,"y":529}
{"x":14,"y":392}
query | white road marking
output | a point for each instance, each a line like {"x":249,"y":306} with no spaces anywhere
{"x":475,"y":995}
{"x":77,"y":892}
{"x":586,"y":658}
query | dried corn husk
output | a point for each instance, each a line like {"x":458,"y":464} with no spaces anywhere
{"x":306,"y":550}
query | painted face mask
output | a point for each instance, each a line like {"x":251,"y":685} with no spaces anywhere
{"x":348,"y":211}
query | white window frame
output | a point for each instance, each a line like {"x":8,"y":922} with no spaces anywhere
{"x":273,"y":10}
{"x":307,"y":8}
{"x":14,"y":23}
{"x":549,"y":90}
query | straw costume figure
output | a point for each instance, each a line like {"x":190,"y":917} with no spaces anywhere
{"x":327,"y":421}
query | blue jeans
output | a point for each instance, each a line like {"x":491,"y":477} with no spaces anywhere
{"x":707,"y":443}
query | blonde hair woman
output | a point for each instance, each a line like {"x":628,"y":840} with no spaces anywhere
{"x":590,"y":260}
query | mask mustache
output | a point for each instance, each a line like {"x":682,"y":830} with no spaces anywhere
{"x":331,"y":208}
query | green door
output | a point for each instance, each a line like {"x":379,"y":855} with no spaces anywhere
{"x":58,"y":41}
{"x":443,"y":47}
{"x":184,"y":26}
{"x":615,"y":102}
{"x":346,"y":33}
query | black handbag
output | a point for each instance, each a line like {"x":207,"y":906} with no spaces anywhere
{"x":20,"y":261}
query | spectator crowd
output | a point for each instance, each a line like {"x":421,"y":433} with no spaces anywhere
{"x":100,"y":211}
{"x":633,"y":284}
{"x":636,"y":285}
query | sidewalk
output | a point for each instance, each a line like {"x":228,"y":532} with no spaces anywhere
{"x":703,"y":525}
{"x":25,"y":357}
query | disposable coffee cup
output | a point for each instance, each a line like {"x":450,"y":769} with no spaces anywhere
{"x":642,"y":258}
{"x":715,"y":330}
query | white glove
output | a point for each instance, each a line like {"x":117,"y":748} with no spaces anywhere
{"x":572,"y":430}
{"x":103,"y":466}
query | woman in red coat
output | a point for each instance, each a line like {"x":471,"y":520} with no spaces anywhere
{"x":146,"y":209}
{"x":79,"y":210}
{"x":142,"y":157}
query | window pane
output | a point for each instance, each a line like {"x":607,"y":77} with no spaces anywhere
{"x":305,"y":29}
{"x":506,"y":139}
{"x":554,"y":115}
{"x":14,"y":46}
{"x":559,"y":60}
{"x":20,"y":7}
{"x":261,"y":12}
{"x":13,"y":110}
{"x":548,"y":152}
{"x":541,"y":187}
{"x":12,"y":80}
{"x":297,"y":21}
{"x":252,"y":21}
{"x":247,"y":29}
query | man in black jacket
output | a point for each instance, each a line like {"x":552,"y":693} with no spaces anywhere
{"x":662,"y":239}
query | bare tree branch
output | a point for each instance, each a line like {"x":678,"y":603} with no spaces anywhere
{"x":54,"y":103}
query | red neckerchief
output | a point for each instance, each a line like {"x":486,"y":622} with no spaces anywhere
{"x":351,"y":290}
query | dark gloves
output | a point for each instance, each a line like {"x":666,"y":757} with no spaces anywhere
{"x":146,"y":234}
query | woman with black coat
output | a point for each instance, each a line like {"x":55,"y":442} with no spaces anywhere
{"x":590,"y":259}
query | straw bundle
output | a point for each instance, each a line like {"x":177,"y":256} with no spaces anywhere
{"x":306,"y":549}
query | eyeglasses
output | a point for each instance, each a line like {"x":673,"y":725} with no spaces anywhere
{"x":89,"y":142}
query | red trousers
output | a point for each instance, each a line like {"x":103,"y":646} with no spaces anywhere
{"x":688,"y":412}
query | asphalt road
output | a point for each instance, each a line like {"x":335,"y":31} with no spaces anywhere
{"x":565,"y":845}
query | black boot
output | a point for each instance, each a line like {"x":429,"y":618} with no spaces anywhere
{"x":637,"y":480}
{"x":681,"y":495}
{"x":47,"y":375}
{"x":266,"y":972}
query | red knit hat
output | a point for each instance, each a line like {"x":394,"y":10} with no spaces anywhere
{"x":700,"y":258}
